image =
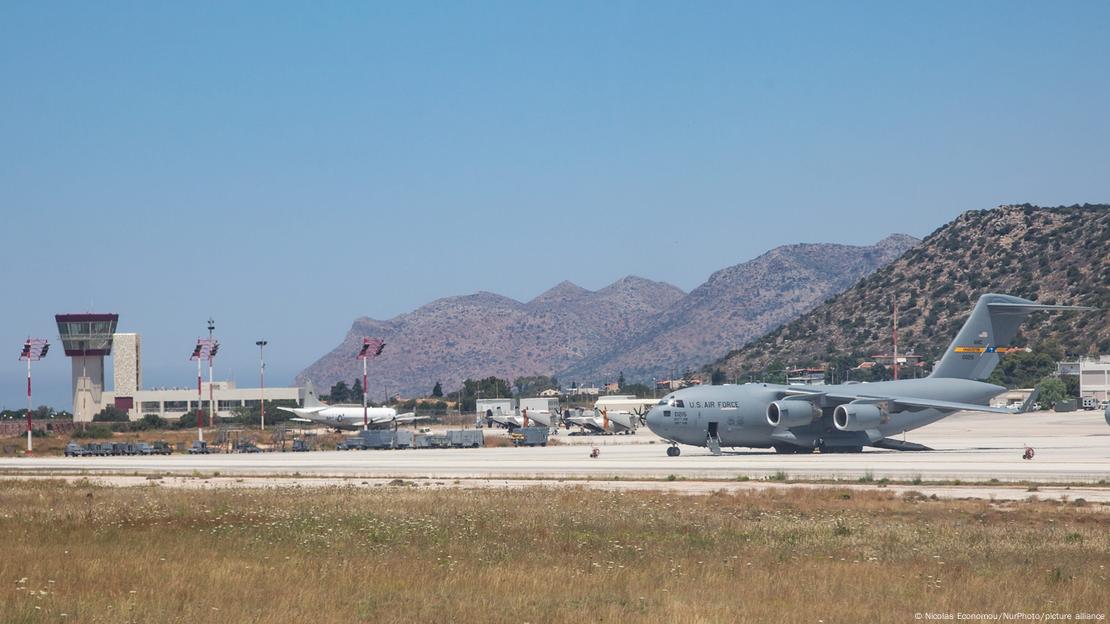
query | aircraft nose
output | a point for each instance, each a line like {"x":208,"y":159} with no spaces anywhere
{"x":654,"y":419}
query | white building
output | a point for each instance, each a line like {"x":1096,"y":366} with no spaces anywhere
{"x":89,"y":338}
{"x":539,"y":404}
{"x":172,"y":403}
{"x":496,"y":407}
{"x":1094,"y":378}
{"x":1012,"y":398}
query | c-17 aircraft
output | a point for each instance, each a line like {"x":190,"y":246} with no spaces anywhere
{"x":346,"y":417}
{"x":848,"y":417}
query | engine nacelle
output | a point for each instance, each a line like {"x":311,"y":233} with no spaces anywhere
{"x":792,"y":413}
{"x":857,"y":416}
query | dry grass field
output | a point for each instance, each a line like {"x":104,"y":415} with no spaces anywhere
{"x":81,"y":553}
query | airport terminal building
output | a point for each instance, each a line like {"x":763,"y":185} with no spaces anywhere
{"x":89,"y":338}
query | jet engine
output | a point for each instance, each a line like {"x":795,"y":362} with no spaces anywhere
{"x":792,"y":413}
{"x":857,"y":416}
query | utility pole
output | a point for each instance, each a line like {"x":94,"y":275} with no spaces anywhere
{"x":894,"y":333}
{"x":33,"y":349}
{"x":262,"y":382}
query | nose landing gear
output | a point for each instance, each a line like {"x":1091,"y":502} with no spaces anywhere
{"x":673,"y":451}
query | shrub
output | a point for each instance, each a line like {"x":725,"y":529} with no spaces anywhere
{"x":151,"y":421}
{"x":111,"y":414}
{"x":93,"y":432}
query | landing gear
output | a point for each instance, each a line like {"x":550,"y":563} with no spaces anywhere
{"x":841,"y":449}
{"x":790,"y":449}
{"x":673,"y":451}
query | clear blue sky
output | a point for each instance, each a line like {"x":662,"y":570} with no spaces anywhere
{"x":286,"y":167}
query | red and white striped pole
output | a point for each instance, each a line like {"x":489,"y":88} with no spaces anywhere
{"x":370,"y":349}
{"x":28,"y":405}
{"x":200,"y":402}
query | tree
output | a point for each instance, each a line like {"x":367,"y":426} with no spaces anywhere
{"x":620,"y":380}
{"x":356,"y":392}
{"x":111,"y":414}
{"x":1053,"y":390}
{"x":188,"y":420}
{"x":340,"y":393}
{"x":487,"y":388}
{"x":637,"y":389}
{"x":533,"y":384}
{"x":718,"y":377}
{"x":1022,"y":369}
{"x":151,"y":421}
{"x":437,"y":391}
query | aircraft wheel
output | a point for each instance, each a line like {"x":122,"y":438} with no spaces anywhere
{"x":673,"y":451}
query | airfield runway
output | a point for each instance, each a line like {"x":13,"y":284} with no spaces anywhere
{"x":972,"y":447}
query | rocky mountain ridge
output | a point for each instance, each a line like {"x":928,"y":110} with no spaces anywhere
{"x":641,"y":327}
{"x":1053,"y":255}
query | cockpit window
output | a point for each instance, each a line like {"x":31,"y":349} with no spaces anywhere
{"x":678,"y":403}
{"x":663,"y":402}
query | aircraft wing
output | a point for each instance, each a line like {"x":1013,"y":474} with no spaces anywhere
{"x":911,"y":402}
{"x":408,"y":417}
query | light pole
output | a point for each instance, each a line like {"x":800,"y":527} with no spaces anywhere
{"x":371,"y":348}
{"x":213,"y":346}
{"x":262,"y":381}
{"x":33,"y":349}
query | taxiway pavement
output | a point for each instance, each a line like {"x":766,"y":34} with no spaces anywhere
{"x":1070,"y":447}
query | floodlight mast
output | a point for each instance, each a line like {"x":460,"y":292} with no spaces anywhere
{"x":33,"y":349}
{"x":213,"y":346}
{"x":371,"y":348}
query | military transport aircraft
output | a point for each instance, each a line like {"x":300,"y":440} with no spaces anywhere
{"x":604,"y":421}
{"x":848,"y":417}
{"x":346,"y":417}
{"x":526,"y":418}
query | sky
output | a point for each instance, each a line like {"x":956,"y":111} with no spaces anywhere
{"x":286,"y":167}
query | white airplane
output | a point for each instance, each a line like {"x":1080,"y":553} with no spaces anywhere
{"x":604,"y":421}
{"x":347,"y":417}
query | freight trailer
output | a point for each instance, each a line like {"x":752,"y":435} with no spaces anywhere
{"x":466,"y":438}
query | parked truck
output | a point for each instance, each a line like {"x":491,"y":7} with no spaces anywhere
{"x":530,"y":436}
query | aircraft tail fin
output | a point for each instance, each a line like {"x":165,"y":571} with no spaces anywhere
{"x":310,"y":397}
{"x":993,"y":323}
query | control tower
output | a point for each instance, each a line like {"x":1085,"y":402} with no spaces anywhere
{"x":87,"y":338}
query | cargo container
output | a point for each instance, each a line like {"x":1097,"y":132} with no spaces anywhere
{"x":466,"y":438}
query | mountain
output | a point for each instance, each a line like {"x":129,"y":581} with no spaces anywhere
{"x":738,"y":304}
{"x":486,"y":334}
{"x":634,"y":325}
{"x":1052,"y":255}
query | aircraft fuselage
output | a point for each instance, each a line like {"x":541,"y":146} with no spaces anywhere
{"x":738,"y":414}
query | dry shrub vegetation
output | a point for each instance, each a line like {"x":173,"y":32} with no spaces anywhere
{"x":82,"y":553}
